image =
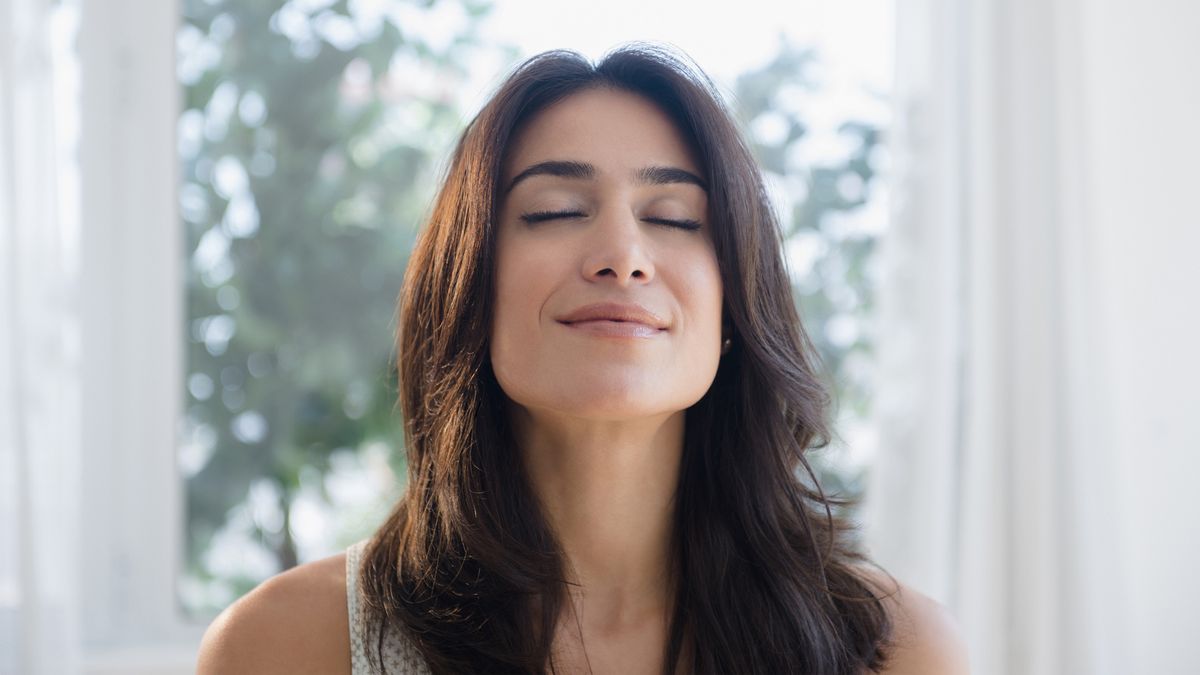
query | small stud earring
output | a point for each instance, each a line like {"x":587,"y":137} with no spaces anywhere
{"x":726,"y":345}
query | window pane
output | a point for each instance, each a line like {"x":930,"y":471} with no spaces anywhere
{"x":819,"y":144}
{"x":311,"y":136}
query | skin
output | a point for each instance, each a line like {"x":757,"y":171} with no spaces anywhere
{"x":599,"y":421}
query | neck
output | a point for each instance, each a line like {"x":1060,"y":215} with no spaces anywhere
{"x":608,"y":490}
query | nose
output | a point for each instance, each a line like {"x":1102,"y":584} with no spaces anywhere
{"x":617,"y":250}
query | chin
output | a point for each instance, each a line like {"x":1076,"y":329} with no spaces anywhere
{"x":613,"y":411}
{"x":614,"y":404}
{"x":611,"y":393}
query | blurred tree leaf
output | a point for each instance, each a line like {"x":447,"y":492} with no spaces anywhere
{"x":304,"y":187}
{"x":835,"y":295}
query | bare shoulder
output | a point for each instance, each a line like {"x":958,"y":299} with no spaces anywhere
{"x":296,"y":622}
{"x":928,"y":639}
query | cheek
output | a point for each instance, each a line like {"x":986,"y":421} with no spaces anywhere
{"x":524,"y":278}
{"x":523,"y":281}
{"x":699,"y":354}
{"x":701,"y":296}
{"x":705,"y":296}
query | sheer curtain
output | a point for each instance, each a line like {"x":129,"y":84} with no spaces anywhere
{"x":994,"y":488}
{"x":39,"y":345}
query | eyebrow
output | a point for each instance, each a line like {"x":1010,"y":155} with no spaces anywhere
{"x":649,"y":175}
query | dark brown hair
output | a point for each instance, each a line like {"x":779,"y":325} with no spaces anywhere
{"x":766,"y":579}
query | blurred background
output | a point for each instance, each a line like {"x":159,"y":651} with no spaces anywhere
{"x":206,"y":207}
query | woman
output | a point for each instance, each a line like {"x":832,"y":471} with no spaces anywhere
{"x":607,"y":396}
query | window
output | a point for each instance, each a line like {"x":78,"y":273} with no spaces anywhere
{"x":249,"y":184}
{"x":309,"y":141}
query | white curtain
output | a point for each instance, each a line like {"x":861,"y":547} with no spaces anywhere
{"x":39,"y":345}
{"x":993,"y":487}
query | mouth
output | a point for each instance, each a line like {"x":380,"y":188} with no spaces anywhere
{"x":600,"y":313}
{"x":614,"y":328}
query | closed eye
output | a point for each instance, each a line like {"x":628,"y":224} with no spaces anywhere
{"x":540,"y":216}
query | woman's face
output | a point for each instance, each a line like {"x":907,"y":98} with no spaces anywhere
{"x":611,"y":246}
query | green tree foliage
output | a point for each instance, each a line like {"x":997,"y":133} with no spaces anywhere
{"x":833,"y":286}
{"x":308,"y":147}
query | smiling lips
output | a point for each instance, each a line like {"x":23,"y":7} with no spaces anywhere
{"x":613,"y":319}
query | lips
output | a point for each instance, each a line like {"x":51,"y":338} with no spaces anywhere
{"x":601,"y":313}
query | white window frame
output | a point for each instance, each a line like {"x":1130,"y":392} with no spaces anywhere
{"x":133,"y":341}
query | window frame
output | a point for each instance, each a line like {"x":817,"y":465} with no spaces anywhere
{"x":132,"y":352}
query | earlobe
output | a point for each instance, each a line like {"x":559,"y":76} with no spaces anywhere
{"x":726,"y":333}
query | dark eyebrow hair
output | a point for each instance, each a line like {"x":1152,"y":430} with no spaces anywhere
{"x":650,"y":175}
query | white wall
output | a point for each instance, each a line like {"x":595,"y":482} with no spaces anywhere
{"x":1142,"y":136}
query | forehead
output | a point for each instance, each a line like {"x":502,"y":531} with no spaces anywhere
{"x":617,"y":131}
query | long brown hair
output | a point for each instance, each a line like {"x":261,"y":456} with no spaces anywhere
{"x":766,"y":579}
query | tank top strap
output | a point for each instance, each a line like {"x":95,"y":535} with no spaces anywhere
{"x":399,"y":654}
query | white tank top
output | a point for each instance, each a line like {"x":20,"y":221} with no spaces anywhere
{"x":400,"y":657}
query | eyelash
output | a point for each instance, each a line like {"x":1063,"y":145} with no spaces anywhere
{"x":551,"y":215}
